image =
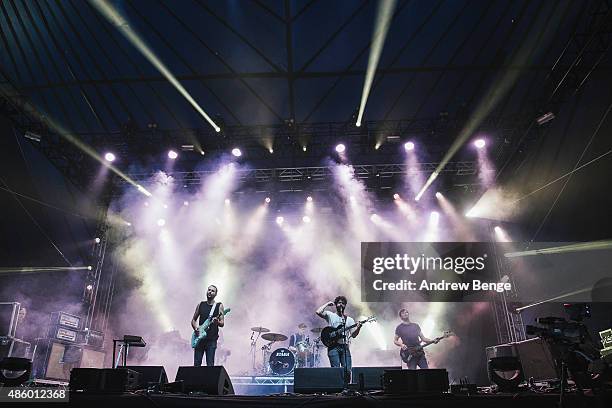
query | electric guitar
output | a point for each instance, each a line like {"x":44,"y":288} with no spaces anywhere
{"x":331,"y":335}
{"x":203,"y":329}
{"x":417,"y":351}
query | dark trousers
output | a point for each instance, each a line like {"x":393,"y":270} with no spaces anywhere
{"x":205,"y":347}
{"x":340,"y":356}
{"x":418,"y":360}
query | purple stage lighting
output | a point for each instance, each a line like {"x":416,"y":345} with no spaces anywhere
{"x":340,"y":148}
{"x":480,"y":143}
{"x":408,"y":146}
{"x":236,"y":152}
{"x":109,"y":157}
{"x":172,"y":154}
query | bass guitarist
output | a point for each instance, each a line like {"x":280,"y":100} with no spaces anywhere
{"x":340,"y":354}
{"x":409,"y":335}
{"x":203,"y":311}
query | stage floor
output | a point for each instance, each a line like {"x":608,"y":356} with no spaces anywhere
{"x":522,"y":400}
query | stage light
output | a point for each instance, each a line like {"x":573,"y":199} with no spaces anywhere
{"x":97,"y":240}
{"x":172,"y":154}
{"x":377,"y":146}
{"x":480,"y":143}
{"x":438,"y":195}
{"x":89,"y":268}
{"x":304,"y":148}
{"x":267,"y":200}
{"x":129,"y":224}
{"x":306,"y":219}
{"x":408,"y":146}
{"x":227,"y":201}
{"x":271,"y":150}
{"x":309,"y":199}
{"x":396,"y":196}
{"x":340,"y":148}
{"x":185,"y":203}
{"x":236,"y":152}
{"x":497,"y":229}
{"x":547,"y":117}
{"x":280,"y":220}
{"x":89,"y":287}
{"x":374,"y":217}
{"x":161,"y":222}
{"x":109,"y":157}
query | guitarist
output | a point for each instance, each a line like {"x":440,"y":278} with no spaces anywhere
{"x":340,"y":355}
{"x":409,"y":334}
{"x":207,"y":345}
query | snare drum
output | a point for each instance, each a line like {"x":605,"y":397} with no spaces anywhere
{"x":282,"y":361}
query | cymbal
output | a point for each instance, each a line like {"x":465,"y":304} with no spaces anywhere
{"x":274,"y":337}
{"x":316,"y":329}
{"x":260,"y":329}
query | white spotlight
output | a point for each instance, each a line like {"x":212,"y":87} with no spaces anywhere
{"x":396,"y":196}
{"x":161,"y":222}
{"x":280,"y":220}
{"x":498,"y":229}
{"x":271,"y":150}
{"x":267,"y":200}
{"x":304,"y":148}
{"x":374,"y":217}
{"x":438,"y":195}
{"x":172,"y":154}
{"x":227,"y":201}
{"x":340,"y":148}
{"x":480,"y":143}
{"x":408,"y":146}
{"x":306,"y":219}
{"x":109,"y":157}
{"x":309,"y":199}
{"x":89,"y":287}
{"x":185,"y":203}
{"x":146,"y":203}
{"x":236,"y":152}
{"x":97,"y":240}
{"x":89,"y":268}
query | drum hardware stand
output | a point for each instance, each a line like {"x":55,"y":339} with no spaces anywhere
{"x":265,"y":350}
{"x":254,"y":349}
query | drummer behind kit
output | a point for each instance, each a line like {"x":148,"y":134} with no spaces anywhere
{"x":282,"y":361}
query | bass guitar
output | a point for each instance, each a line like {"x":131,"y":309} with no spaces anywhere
{"x":412,"y":352}
{"x":331,"y":335}
{"x":203,"y":329}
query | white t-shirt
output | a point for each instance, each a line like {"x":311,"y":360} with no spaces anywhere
{"x":335,"y":321}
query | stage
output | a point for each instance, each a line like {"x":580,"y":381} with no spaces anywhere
{"x":524,"y":400}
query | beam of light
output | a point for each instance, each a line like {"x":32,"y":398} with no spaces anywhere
{"x":565,"y":295}
{"x":501,"y":235}
{"x":495,"y":204}
{"x":459,"y":223}
{"x":428,"y":326}
{"x":381,"y":27}
{"x":116,"y":19}
{"x":280,"y":220}
{"x":480,"y":143}
{"x":306,"y":219}
{"x":496,"y":92}
{"x":250,"y":232}
{"x":562,"y":177}
{"x":486,"y":173}
{"x":431,"y":233}
{"x":414,"y":178}
{"x":375,"y":332}
{"x":34,"y":269}
{"x":583,"y":246}
{"x":409,"y":146}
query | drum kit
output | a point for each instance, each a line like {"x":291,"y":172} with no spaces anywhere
{"x":282,"y":360}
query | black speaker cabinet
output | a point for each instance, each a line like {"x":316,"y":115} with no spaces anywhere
{"x":208,"y":380}
{"x":150,"y":375}
{"x":313,"y":380}
{"x":426,"y":381}
{"x":103,"y":380}
{"x":370,"y":378}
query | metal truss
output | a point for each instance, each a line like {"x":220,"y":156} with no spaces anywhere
{"x":293,"y":174}
{"x":270,"y":380}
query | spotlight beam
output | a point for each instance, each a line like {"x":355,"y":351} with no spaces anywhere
{"x":577,"y":292}
{"x":384,"y":16}
{"x":32,"y":269}
{"x":496,"y":93}
{"x":584,"y":246}
{"x":113,"y":16}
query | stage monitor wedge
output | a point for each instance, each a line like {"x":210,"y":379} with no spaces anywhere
{"x":207,"y":380}
{"x":150,"y":376}
{"x":370,"y":378}
{"x":315,"y":380}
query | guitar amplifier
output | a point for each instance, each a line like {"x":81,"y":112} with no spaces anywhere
{"x":64,"y":334}
{"x":65,"y":320}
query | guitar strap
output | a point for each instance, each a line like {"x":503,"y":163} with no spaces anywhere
{"x":212,"y":309}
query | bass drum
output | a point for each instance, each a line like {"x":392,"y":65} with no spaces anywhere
{"x":282,"y":361}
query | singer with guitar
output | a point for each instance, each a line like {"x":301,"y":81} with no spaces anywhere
{"x":207,"y":310}
{"x":408,"y":335}
{"x":339,"y":354}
